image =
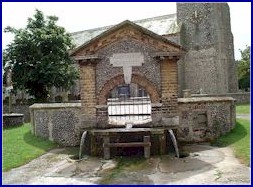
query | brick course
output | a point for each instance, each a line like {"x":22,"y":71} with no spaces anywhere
{"x":88,"y":92}
{"x":169,"y":87}
{"x":118,"y":80}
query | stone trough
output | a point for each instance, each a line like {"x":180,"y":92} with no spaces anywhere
{"x":116,"y":141}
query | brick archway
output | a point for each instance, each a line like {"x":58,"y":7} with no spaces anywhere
{"x":137,"y":79}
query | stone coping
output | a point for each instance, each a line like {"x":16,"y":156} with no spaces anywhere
{"x":101,"y":106}
{"x":220,"y":95}
{"x":204,"y":99}
{"x":13,"y":115}
{"x":156,"y":104}
{"x":125,"y":130}
{"x":55,"y":105}
{"x":73,"y":105}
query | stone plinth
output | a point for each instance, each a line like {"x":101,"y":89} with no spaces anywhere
{"x":59,"y":122}
{"x":187,"y":93}
{"x":205,"y":118}
{"x":12,"y":120}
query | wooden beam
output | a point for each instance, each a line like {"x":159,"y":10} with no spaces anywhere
{"x":87,"y":57}
{"x":146,"y":139}
{"x":128,"y":144}
{"x":170,"y":55}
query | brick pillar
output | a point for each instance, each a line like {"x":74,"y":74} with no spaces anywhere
{"x":169,"y":80}
{"x":156,"y":113}
{"x":102,"y":116}
{"x":88,"y":93}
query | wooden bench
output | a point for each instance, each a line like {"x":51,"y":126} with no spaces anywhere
{"x":107,"y":145}
{"x":146,"y":133}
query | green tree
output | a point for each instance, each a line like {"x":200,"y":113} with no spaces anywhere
{"x":5,"y":68}
{"x":38,"y":57}
{"x":243,"y":69}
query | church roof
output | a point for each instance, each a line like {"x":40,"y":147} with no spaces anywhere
{"x":162,"y":25}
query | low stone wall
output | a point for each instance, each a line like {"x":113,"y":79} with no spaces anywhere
{"x":200,"y":119}
{"x":241,"y":98}
{"x":13,"y":120}
{"x":59,"y":122}
{"x":19,"y":108}
{"x":205,"y":118}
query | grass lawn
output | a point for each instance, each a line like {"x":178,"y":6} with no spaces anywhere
{"x":243,"y":109}
{"x":124,"y":165}
{"x":239,"y":140}
{"x":20,"y":146}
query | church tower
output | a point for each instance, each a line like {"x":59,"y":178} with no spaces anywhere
{"x":209,"y":64}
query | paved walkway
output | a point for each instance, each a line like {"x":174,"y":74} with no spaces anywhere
{"x":204,"y":165}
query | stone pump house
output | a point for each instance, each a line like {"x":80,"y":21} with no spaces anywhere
{"x":157,"y":58}
{"x":128,"y":53}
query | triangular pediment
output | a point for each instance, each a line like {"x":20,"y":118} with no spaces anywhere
{"x":127,"y":29}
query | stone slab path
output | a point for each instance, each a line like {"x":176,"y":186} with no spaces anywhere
{"x":204,"y":165}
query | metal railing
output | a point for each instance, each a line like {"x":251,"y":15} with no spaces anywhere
{"x":124,"y":110}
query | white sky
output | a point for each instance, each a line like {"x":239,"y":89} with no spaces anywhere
{"x":87,"y":15}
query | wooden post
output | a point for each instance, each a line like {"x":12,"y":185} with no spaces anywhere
{"x":9,"y":88}
{"x":162,"y":142}
{"x":65,"y":97}
{"x":106,"y":147}
{"x":10,"y":103}
{"x":93,"y":147}
{"x":146,"y":139}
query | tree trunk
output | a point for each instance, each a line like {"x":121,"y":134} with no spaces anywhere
{"x":41,"y":94}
